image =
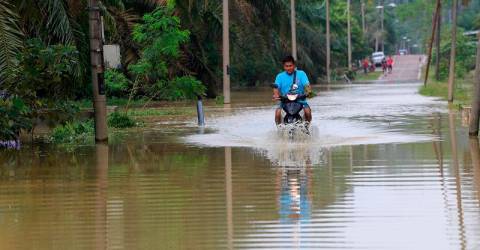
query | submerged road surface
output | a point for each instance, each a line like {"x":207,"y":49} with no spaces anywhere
{"x":386,"y":169}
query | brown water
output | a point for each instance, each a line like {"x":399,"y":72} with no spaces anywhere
{"x":391,"y":171}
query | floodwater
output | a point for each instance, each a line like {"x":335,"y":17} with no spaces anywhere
{"x":385,"y":169}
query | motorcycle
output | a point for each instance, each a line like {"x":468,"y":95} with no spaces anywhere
{"x":292,"y":108}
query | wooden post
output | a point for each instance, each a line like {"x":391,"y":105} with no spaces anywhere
{"x":474,"y":116}
{"x":349,"y":35}
{"x":294,"y":29}
{"x":429,"y":55}
{"x":96,"y":57}
{"x":437,"y":44}
{"x":327,"y":9}
{"x":451,"y":72}
{"x":226,"y":54}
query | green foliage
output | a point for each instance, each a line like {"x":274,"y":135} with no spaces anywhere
{"x":14,"y":118}
{"x":44,"y":72}
{"x":183,"y":88}
{"x":73,"y":132}
{"x":160,"y":36}
{"x":10,"y":39}
{"x":116,"y":83}
{"x":42,"y":78}
{"x":219,"y":100}
{"x":417,"y":29}
{"x":120,"y":120}
{"x":465,"y":54}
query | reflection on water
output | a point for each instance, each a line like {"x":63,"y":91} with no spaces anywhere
{"x":155,"y":192}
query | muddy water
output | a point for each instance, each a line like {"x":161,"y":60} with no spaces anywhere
{"x":386,"y":169}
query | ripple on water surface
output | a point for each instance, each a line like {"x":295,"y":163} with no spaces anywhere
{"x":402,"y":191}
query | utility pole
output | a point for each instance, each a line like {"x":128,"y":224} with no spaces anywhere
{"x":327,"y":9}
{"x":383,"y":20}
{"x":97,"y":67}
{"x":364,"y":28}
{"x":349,"y":34}
{"x":226,"y":54}
{"x":430,"y":45}
{"x":474,"y":116}
{"x":437,"y":43}
{"x":451,"y":74}
{"x":294,"y":29}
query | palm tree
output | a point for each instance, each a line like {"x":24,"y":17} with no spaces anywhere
{"x":10,"y":38}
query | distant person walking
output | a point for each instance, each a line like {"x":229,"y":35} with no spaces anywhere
{"x":365,"y":65}
{"x":390,"y":64}
{"x":384,"y":66}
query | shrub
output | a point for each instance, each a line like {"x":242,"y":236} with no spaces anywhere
{"x":161,"y":36}
{"x":15,"y":116}
{"x":73,"y":132}
{"x":465,"y":55}
{"x":46,"y":78}
{"x":116,"y":83}
{"x":120,"y":120}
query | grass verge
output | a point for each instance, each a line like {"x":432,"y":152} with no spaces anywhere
{"x":177,"y":111}
{"x":462,"y":91}
{"x":371,"y":76}
{"x":112,"y":101}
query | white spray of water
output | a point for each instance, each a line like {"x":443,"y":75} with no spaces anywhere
{"x":351,"y":116}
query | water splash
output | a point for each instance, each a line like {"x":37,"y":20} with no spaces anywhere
{"x":361,"y":114}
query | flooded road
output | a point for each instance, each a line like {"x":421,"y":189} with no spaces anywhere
{"x":386,"y":169}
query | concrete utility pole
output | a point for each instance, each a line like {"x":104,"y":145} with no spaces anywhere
{"x":474,"y":117}
{"x":364,"y":28}
{"x":451,"y":74}
{"x":294,"y":29}
{"x":96,"y":56}
{"x":383,"y":31}
{"x":430,"y":45}
{"x":437,"y":43}
{"x":327,"y":9}
{"x":349,"y":34}
{"x":226,"y":54}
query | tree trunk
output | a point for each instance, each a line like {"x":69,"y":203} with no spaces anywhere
{"x":474,"y":116}
{"x":451,"y":72}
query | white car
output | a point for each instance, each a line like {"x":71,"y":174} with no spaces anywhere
{"x":402,"y":52}
{"x":378,"y":57}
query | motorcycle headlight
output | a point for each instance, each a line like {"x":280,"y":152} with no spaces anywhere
{"x":292,"y":97}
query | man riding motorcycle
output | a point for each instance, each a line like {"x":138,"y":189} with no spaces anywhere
{"x":290,"y":80}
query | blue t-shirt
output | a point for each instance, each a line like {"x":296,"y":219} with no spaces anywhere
{"x":284,"y":82}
